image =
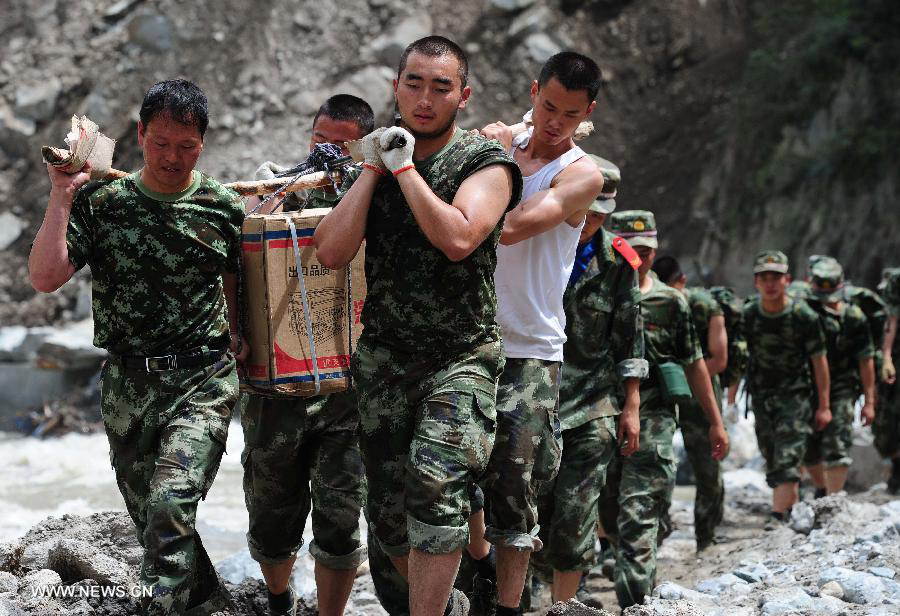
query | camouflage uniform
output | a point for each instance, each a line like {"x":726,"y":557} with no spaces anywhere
{"x":639,"y":487}
{"x":604,"y":346}
{"x":428,"y":361}
{"x":732,"y":309}
{"x":709,"y":502}
{"x":157,"y":264}
{"x":848,"y":342}
{"x":887,"y":418}
{"x":302,"y":455}
{"x":779,"y":379}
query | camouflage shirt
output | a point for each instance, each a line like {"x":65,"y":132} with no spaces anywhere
{"x":848,"y":341}
{"x":669,"y":336}
{"x":157,"y":262}
{"x":781,"y":346}
{"x":799,"y":289}
{"x":891,"y":293}
{"x":418,"y":300}
{"x":703,"y":308}
{"x":605,"y":342}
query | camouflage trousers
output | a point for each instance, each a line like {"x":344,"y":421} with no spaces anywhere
{"x":426,"y":432}
{"x":783,"y":425}
{"x":709,"y":502}
{"x":637,"y":493}
{"x":167,"y":433}
{"x":886,"y":428}
{"x":526,"y":453}
{"x":302,"y":455}
{"x":568,"y":512}
{"x":832,"y":445}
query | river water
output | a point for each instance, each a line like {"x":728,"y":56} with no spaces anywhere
{"x":72,"y":474}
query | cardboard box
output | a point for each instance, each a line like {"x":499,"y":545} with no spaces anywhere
{"x":281,"y":357}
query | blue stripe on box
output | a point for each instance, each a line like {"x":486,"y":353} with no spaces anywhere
{"x":304,"y":378}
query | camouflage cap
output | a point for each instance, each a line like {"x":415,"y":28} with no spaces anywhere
{"x":636,"y":226}
{"x":603,"y":206}
{"x":827,"y":280}
{"x":770,"y":261}
{"x":811,"y":262}
{"x":611,"y":176}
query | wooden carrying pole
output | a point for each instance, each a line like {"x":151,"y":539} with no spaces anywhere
{"x":245,"y":189}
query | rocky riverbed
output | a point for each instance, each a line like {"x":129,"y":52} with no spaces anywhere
{"x":840,"y":555}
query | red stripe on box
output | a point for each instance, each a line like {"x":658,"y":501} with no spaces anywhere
{"x":252,"y":246}
{"x":286,"y":364}
{"x":301,"y":241}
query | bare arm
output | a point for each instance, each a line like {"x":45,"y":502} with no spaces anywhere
{"x":701,"y":386}
{"x":340,"y":234}
{"x":567,"y":199}
{"x":718,"y":345}
{"x":238,"y":345}
{"x":890,"y":334}
{"x":49,"y":266}
{"x":823,"y":388}
{"x":629,"y":431}
{"x":867,"y":377}
{"x":458,"y":228}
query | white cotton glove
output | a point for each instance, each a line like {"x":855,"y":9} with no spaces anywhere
{"x":397,"y":158}
{"x":370,"y":147}
{"x":267,"y":170}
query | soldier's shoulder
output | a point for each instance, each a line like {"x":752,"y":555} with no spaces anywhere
{"x":855,"y":313}
{"x":98,"y":192}
{"x":807,"y":309}
{"x":211,"y":186}
{"x":471,"y":145}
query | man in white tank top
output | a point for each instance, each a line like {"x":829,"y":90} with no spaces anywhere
{"x":534,"y":262}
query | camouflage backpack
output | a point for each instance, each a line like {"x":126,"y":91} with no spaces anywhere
{"x":737,"y":346}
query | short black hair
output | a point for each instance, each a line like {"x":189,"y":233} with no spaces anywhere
{"x":667,"y":269}
{"x":433,"y":47}
{"x":348,"y":108}
{"x":574,"y":71}
{"x":181,"y":100}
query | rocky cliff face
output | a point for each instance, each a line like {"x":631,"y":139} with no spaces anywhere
{"x":672,"y":114}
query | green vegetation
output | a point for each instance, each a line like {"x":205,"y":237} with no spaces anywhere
{"x":802,"y":49}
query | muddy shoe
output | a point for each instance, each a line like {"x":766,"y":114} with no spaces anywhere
{"x":775,"y":521}
{"x":585,"y":596}
{"x":458,"y":604}
{"x":893,"y":483}
{"x":705,"y":542}
{"x":220,"y":600}
{"x":608,"y":564}
{"x":284,"y":604}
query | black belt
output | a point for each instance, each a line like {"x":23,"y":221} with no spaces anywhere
{"x":162,"y":363}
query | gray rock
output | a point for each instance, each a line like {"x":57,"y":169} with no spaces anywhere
{"x":71,"y":347}
{"x":80,"y":560}
{"x":832,"y":589}
{"x":33,"y":581}
{"x":883,"y":572}
{"x":152,"y":32}
{"x":674,"y":592}
{"x":532,"y":20}
{"x":718,"y":585}
{"x":540,"y":47}
{"x":8,"y":582}
{"x":8,"y":608}
{"x":509,"y":6}
{"x":860,"y":588}
{"x":37,"y":101}
{"x":573,"y":607}
{"x":785,"y":600}
{"x":120,"y":9}
{"x":239,"y":566}
{"x":11,"y":227}
{"x":373,"y":83}
{"x":388,"y":47}
{"x":15,"y":132}
{"x":803,"y":518}
{"x":753,"y":572}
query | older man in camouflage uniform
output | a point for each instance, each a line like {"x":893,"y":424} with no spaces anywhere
{"x":784,"y":337}
{"x":887,"y":417}
{"x":639,"y":487}
{"x":851,"y":368}
{"x":430,"y":355}
{"x":302,"y":454}
{"x":709,"y":323}
{"x":603,"y":364}
{"x":162,"y":244}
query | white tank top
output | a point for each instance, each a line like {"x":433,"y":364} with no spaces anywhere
{"x":531,"y":275}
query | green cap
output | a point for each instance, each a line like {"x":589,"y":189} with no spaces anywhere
{"x":611,"y":177}
{"x":603,"y":206}
{"x":770,"y":261}
{"x":636,"y":226}
{"x":811,"y":262}
{"x":827,"y":280}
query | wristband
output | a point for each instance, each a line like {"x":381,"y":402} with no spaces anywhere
{"x":402,"y":169}
{"x":374,"y":168}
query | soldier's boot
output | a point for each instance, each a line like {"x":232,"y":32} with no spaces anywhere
{"x":284,"y":604}
{"x":704,"y":542}
{"x":585,"y":596}
{"x":483,"y":598}
{"x":777,"y":520}
{"x":893,"y":484}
